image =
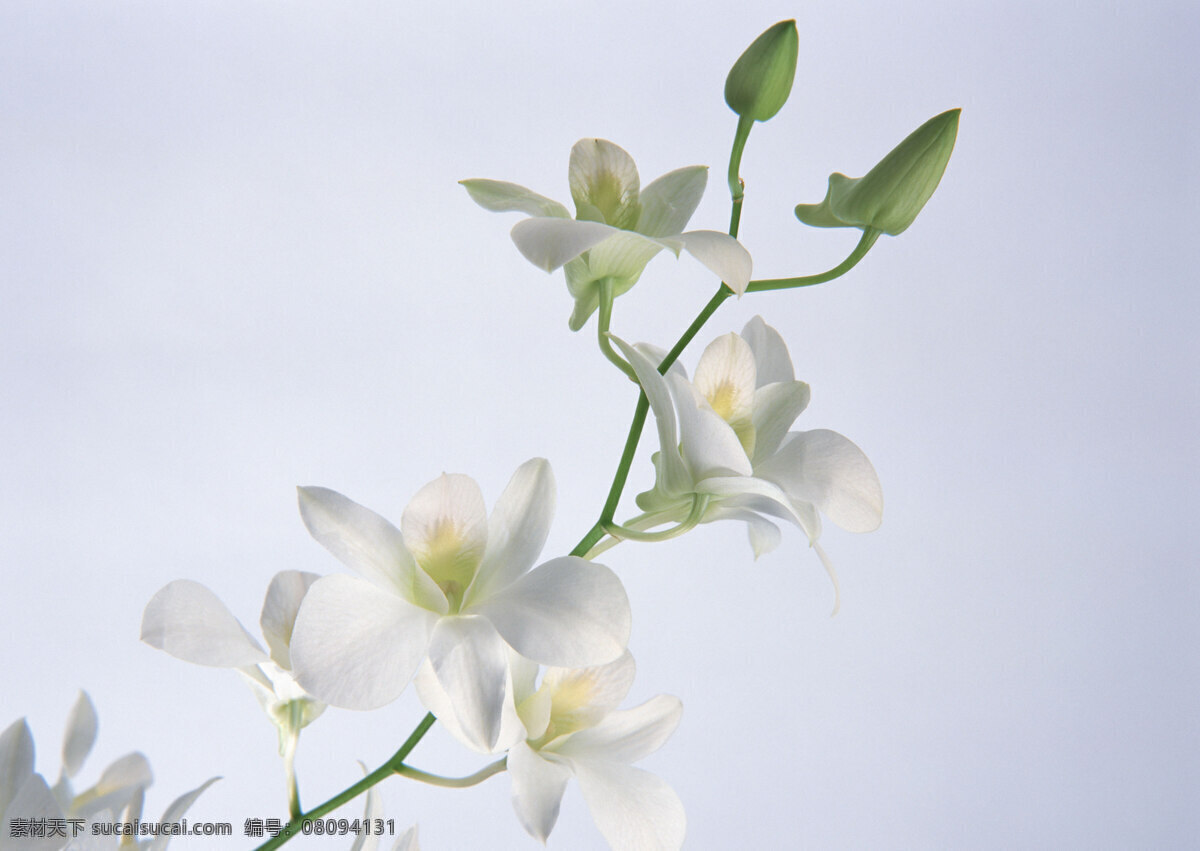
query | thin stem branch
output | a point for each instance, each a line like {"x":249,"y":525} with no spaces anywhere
{"x":602,"y":323}
{"x":869,"y":236}
{"x":453,"y":782}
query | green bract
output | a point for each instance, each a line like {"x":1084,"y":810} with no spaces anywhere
{"x":891,"y":194}
{"x":760,"y":81}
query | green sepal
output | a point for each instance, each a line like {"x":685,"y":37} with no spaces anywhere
{"x":760,"y":81}
{"x":889,"y":196}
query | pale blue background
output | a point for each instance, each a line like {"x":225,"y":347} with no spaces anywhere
{"x":234,"y":259}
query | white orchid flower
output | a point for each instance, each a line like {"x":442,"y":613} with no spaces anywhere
{"x":618,"y":226}
{"x":726,"y":452}
{"x":191,"y":623}
{"x":453,"y":585}
{"x":569,"y":727}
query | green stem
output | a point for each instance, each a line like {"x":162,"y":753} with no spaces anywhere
{"x":606,"y":303}
{"x":453,"y":782}
{"x":736,"y":187}
{"x":860,"y":251}
{"x":291,"y":742}
{"x":349,"y":793}
{"x":699,"y":504}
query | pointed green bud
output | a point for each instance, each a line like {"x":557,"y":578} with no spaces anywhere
{"x":889,"y":196}
{"x":760,"y":81}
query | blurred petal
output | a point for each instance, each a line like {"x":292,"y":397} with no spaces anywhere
{"x":669,"y":201}
{"x":770,"y":352}
{"x":356,"y":646}
{"x":501,"y":197}
{"x":567,"y":612}
{"x":776,"y":407}
{"x":119,"y":785}
{"x":633,"y":808}
{"x":16,"y":760}
{"x":549,"y":243}
{"x":604,"y":183}
{"x":80,"y":734}
{"x":675,"y":477}
{"x":284,"y":594}
{"x":174,"y":813}
{"x":360,"y":539}
{"x":627,"y":735}
{"x":407,"y":841}
{"x":537,"y":786}
{"x":470,"y":662}
{"x":188,"y":621}
{"x":33,"y":800}
{"x":826,"y":469}
{"x":372,"y":809}
{"x":517,"y":528}
{"x":724,"y":256}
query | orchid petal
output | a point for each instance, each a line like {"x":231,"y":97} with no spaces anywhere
{"x":16,"y":760}
{"x":119,"y":785}
{"x":191,"y":623}
{"x":759,"y":493}
{"x":776,"y":407}
{"x":566,"y":612}
{"x":445,"y":529}
{"x":32,"y":801}
{"x":360,"y":539}
{"x":538,"y":785}
{"x":669,"y":201}
{"x":549,"y":243}
{"x":722,"y":255}
{"x":626,"y":735}
{"x":675,"y":477}
{"x":764,"y":535}
{"x":828,"y":470}
{"x":725,"y":377}
{"x":581,"y":697}
{"x":623,"y":256}
{"x":770,"y":352}
{"x":501,"y":197}
{"x":470,"y":662}
{"x":175,"y":812}
{"x":284,"y":595}
{"x":407,"y":841}
{"x":633,"y":808}
{"x":372,"y":809}
{"x":80,"y":735}
{"x":435,"y":699}
{"x":517,"y":528}
{"x":355,"y":646}
{"x":710,"y":444}
{"x":604,"y":183}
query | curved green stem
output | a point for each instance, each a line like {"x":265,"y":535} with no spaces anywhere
{"x":350,"y":792}
{"x":699,"y":505}
{"x":869,"y":236}
{"x":453,"y":782}
{"x":606,"y":303}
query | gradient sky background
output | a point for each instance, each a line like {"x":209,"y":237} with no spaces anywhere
{"x":234,"y":259}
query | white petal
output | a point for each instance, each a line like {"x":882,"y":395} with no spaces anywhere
{"x":174,"y":813}
{"x":445,"y":529}
{"x":770,"y":352}
{"x":362,"y":540}
{"x":284,"y":595}
{"x":549,"y":243}
{"x":537,"y":786}
{"x":470,"y":661}
{"x":668,"y":202}
{"x":725,"y":376}
{"x":407,"y":841}
{"x":191,"y":623}
{"x":604,"y":182}
{"x":627,"y":735}
{"x":632,"y":808}
{"x":119,"y":785}
{"x":764,"y":535}
{"x":776,"y":407}
{"x":581,"y":697}
{"x":567,"y":612}
{"x":16,"y":760}
{"x":501,"y":197}
{"x":517,"y":528}
{"x":710,"y":445}
{"x":372,"y":809}
{"x":755,"y":493}
{"x":724,"y":256}
{"x":675,"y":477}
{"x":33,"y":800}
{"x":355,"y":645}
{"x":826,"y":469}
{"x":434,"y":698}
{"x":624,"y":255}
{"x":80,"y":734}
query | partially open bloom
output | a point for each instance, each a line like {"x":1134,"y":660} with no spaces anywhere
{"x":453,"y":584}
{"x":569,"y":726}
{"x":191,"y":623}
{"x":618,"y":226}
{"x":731,"y":455}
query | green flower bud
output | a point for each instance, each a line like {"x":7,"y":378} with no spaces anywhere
{"x":760,"y":81}
{"x":891,"y":194}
